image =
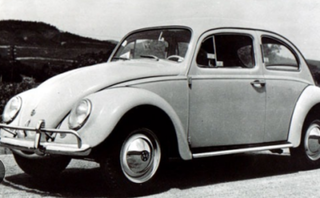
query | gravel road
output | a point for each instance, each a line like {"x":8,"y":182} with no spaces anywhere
{"x":251,"y":175}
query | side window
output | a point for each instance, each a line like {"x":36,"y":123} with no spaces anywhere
{"x":206,"y":56}
{"x":226,"y":51}
{"x":278,"y":56}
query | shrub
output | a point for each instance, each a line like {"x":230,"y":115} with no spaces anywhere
{"x":8,"y":90}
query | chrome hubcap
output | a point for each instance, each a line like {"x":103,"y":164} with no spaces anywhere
{"x":140,"y":157}
{"x":312,"y":142}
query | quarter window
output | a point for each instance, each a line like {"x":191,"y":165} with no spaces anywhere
{"x":226,"y":51}
{"x":278,"y":56}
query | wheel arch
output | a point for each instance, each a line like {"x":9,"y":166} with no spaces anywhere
{"x":112,"y":107}
{"x":308,"y":106}
{"x":154,"y":117}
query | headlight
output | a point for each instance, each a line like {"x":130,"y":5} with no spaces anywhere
{"x":79,"y":114}
{"x":12,"y":109}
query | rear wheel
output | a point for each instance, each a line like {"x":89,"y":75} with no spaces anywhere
{"x":307,"y":154}
{"x":135,"y":162}
{"x":41,"y":167}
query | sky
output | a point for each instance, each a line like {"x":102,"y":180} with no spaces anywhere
{"x":297,"y":20}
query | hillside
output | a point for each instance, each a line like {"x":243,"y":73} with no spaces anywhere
{"x":39,"y":34}
{"x":40,"y":50}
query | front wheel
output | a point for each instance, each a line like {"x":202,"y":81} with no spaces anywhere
{"x":307,"y":154}
{"x":135,"y":162}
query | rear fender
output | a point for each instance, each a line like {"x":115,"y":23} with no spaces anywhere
{"x":309,"y":98}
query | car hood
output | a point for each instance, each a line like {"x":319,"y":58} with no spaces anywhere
{"x":53,"y":99}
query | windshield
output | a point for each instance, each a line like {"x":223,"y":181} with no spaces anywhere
{"x":168,"y":44}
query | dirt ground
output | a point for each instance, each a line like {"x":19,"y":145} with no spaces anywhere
{"x":4,"y":151}
{"x":254,"y":175}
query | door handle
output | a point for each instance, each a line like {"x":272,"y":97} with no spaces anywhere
{"x":258,"y":83}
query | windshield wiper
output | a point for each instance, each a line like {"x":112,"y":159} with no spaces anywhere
{"x":150,"y":56}
{"x":120,"y":58}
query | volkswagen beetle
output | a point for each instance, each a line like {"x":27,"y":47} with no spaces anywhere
{"x":169,"y":91}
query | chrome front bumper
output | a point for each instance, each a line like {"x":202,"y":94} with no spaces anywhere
{"x":43,"y":147}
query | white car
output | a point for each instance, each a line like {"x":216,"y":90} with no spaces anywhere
{"x":171,"y":91}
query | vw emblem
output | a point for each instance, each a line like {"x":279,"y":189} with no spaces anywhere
{"x":145,"y":156}
{"x":33,"y":112}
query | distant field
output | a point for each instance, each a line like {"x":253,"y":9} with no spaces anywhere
{"x":61,"y":52}
{"x":55,"y":57}
{"x":57,"y":52}
{"x":38,"y":63}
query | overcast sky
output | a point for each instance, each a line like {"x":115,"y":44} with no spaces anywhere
{"x":297,"y":20}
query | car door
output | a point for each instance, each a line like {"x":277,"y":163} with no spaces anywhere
{"x":227,"y":90}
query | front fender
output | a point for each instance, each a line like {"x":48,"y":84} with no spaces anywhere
{"x":110,"y":105}
{"x":308,"y":99}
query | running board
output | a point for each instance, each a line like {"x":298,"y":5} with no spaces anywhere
{"x":242,"y":150}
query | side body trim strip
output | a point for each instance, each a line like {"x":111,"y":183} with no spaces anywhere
{"x":242,"y":150}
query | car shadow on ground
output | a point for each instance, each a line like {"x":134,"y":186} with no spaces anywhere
{"x":78,"y":182}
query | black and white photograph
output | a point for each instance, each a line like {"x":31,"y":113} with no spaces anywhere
{"x":160,"y":98}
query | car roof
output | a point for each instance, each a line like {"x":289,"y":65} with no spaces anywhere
{"x":202,"y":24}
{"x":199,"y":25}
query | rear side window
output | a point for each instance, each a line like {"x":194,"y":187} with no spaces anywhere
{"x":278,"y":56}
{"x":226,"y":51}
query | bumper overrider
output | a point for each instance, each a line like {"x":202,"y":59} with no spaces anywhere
{"x":39,"y":145}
